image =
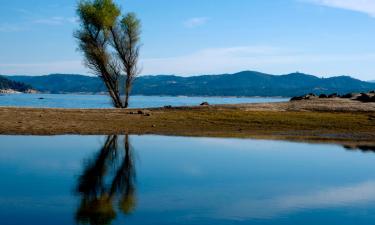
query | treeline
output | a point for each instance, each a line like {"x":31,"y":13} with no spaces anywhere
{"x":13,"y":85}
{"x":247,"y":83}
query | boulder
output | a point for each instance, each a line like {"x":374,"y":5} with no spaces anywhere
{"x":304,"y":97}
{"x":323,"y":96}
{"x":309,"y":96}
{"x":349,"y":95}
{"x":297,"y":98}
{"x":364,"y":98}
{"x":204,"y":104}
{"x":334,"y":95}
{"x":144,"y":112}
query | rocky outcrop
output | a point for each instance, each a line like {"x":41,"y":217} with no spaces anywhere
{"x":12,"y":91}
{"x":366,"y":97}
{"x":9,"y":91}
{"x":334,"y":95}
{"x":304,"y":97}
{"x":363,"y":97}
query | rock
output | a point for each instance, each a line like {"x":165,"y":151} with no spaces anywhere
{"x":309,"y":96}
{"x":323,"y":96}
{"x":144,"y":112}
{"x":298,"y":98}
{"x":205,"y":104}
{"x":9,"y":91}
{"x":372,"y":92}
{"x":334,"y":95}
{"x":31,"y":91}
{"x":349,"y":95}
{"x":305,"y":97}
{"x":41,"y":98}
{"x":167,"y":107}
{"x":365,"y":98}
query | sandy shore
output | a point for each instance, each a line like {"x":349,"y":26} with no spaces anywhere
{"x":339,"y":120}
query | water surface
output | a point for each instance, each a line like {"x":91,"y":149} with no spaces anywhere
{"x":103,"y":101}
{"x":177,"y":180}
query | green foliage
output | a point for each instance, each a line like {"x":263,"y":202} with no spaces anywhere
{"x":132,"y":26}
{"x":99,"y":13}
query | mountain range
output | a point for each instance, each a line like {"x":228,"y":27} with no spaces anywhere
{"x":246,"y":83}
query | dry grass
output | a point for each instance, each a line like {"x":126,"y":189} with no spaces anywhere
{"x":344,"y":126}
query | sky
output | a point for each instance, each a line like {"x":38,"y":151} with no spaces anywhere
{"x":193,"y":37}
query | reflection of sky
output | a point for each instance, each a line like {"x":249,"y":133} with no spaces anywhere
{"x":192,"y":180}
{"x":352,"y":196}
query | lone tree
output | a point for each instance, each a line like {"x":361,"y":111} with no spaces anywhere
{"x":110,"y":44}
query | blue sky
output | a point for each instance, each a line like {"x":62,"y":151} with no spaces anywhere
{"x":191,"y":37}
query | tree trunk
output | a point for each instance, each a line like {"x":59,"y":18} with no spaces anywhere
{"x":128,"y":85}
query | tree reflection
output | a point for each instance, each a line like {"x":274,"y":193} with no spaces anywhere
{"x":107,"y":181}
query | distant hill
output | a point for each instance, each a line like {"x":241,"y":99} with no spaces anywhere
{"x":247,"y":83}
{"x":62,"y":83}
{"x":6,"y":84}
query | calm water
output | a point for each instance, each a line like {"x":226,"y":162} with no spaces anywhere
{"x":175,"y":180}
{"x":102,"y":101}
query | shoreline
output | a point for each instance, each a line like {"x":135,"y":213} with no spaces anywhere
{"x":177,"y":96}
{"x":328,"y":121}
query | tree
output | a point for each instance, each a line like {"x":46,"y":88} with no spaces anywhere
{"x":110,"y":45}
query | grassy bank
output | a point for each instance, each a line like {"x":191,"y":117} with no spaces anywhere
{"x":221,"y":121}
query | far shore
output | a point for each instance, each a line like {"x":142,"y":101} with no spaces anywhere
{"x":11,"y":92}
{"x":341,"y":121}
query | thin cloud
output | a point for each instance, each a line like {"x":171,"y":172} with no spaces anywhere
{"x":196,"y":22}
{"x":363,"y":6}
{"x":261,"y":58}
{"x":269,"y":59}
{"x":7,"y":28}
{"x":357,"y":194}
{"x":56,"y":21}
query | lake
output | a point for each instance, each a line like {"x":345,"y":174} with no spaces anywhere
{"x":181,"y":180}
{"x":103,"y":101}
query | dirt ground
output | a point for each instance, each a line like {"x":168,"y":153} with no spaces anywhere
{"x":336,"y":120}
